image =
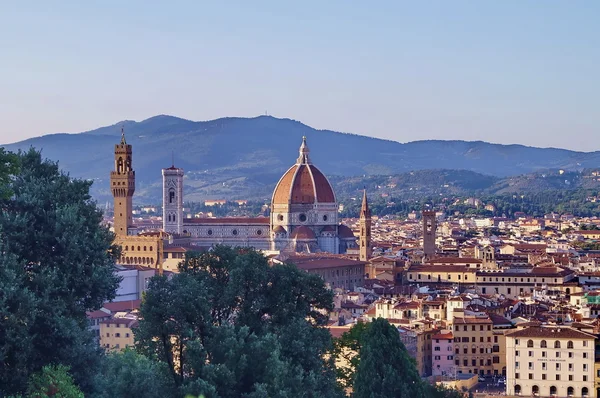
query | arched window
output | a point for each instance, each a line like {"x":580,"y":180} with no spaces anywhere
{"x":584,"y":392}
{"x":517,"y":389}
{"x":552,"y":390}
{"x":570,"y":391}
{"x":126,"y":247}
{"x":543,"y":344}
{"x":139,"y":248}
{"x":570,"y":344}
{"x":535,"y":390}
{"x":145,"y":247}
{"x":557,"y":344}
{"x":171,"y":195}
{"x":529,"y":343}
{"x":150,"y":248}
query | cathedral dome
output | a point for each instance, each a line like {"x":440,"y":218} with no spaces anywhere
{"x":303,"y":183}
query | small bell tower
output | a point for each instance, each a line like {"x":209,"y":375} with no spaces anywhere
{"x":365,"y":229}
{"x":122,"y":184}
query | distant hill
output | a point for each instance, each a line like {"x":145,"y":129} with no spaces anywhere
{"x":244,"y":157}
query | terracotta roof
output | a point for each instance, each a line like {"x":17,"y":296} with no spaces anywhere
{"x":345,"y":232}
{"x":227,"y":220}
{"x":443,"y":336}
{"x":551,"y":332}
{"x":472,"y":320}
{"x":118,"y":306}
{"x":317,"y":261}
{"x":303,"y":232}
{"x":97,"y":314}
{"x":279,"y":230}
{"x":455,"y":260}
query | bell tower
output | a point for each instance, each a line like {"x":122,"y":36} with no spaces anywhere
{"x":173,"y":199}
{"x":429,"y":228}
{"x":122,"y":184}
{"x":365,"y":229}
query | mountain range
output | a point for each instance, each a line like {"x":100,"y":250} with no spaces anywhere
{"x":234,"y":158}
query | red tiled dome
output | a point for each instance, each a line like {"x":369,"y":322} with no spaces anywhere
{"x":303,"y":183}
{"x":345,"y":232}
{"x":303,"y":232}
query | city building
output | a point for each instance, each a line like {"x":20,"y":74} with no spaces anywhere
{"x":443,"y":354}
{"x":473,"y":344}
{"x":550,"y":361}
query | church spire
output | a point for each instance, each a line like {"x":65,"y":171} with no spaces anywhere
{"x":364,"y":210}
{"x":123,"y":142}
{"x":365,"y":229}
{"x":304,"y":151}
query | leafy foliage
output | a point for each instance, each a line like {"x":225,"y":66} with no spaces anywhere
{"x":129,"y":374}
{"x":230,"y":325}
{"x":53,"y":381}
{"x":57,"y":263}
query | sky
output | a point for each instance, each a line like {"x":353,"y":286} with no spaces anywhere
{"x":511,"y":71}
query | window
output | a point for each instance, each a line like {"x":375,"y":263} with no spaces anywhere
{"x":516,"y":375}
{"x":558,"y":366}
{"x":529,"y":343}
{"x":570,"y":355}
{"x":585,"y":343}
{"x":119,"y":335}
{"x":570,"y":377}
{"x":543,"y":365}
{"x":517,"y":364}
{"x":543,"y":344}
{"x":516,"y":353}
{"x":584,"y":378}
{"x":516,"y":340}
{"x":557,"y":344}
{"x":570,"y":367}
{"x":557,"y":377}
{"x":107,"y":334}
{"x":585,"y":354}
{"x":530,"y":353}
{"x":569,"y":344}
{"x":437,"y":348}
{"x":543,"y":376}
{"x":126,"y":334}
{"x":585,"y":367}
{"x":543,"y":354}
{"x":530,"y":366}
{"x":557,"y":354}
{"x":530,"y":376}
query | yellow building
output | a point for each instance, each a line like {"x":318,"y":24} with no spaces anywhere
{"x":116,"y":333}
{"x":550,"y":361}
{"x":473,"y":344}
{"x":452,"y":274}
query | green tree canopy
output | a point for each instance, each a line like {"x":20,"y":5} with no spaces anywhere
{"x":231,"y":325}
{"x":385,"y":368}
{"x":53,"y":382}
{"x":57,"y":263}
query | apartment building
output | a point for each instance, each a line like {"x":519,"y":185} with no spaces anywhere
{"x":473,"y":344}
{"x":550,"y":361}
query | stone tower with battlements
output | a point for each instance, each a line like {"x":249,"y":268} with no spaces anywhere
{"x":365,"y":229}
{"x":122,"y":184}
{"x":173,"y":200}
{"x":429,"y":228}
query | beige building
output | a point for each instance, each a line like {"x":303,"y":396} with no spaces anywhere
{"x":116,"y":333}
{"x":474,"y":344}
{"x":550,"y":361}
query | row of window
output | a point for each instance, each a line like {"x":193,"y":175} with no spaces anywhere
{"x":556,"y":377}
{"x":557,"y":366}
{"x":118,"y":335}
{"x":439,"y":357}
{"x":482,"y":362}
{"x":481,"y":350}
{"x":139,"y":248}
{"x":474,"y":339}
{"x":544,"y":344}
{"x":439,"y":277}
{"x":545,"y":353}
{"x":473,"y":327}
{"x":522,"y":280}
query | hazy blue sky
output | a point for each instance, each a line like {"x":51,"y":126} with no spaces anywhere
{"x":502,"y":71}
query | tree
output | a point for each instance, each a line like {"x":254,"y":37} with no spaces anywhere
{"x":129,"y":374}
{"x":57,"y":263}
{"x":231,"y":325}
{"x":385,"y":368}
{"x":346,"y":351}
{"x":53,"y":382}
